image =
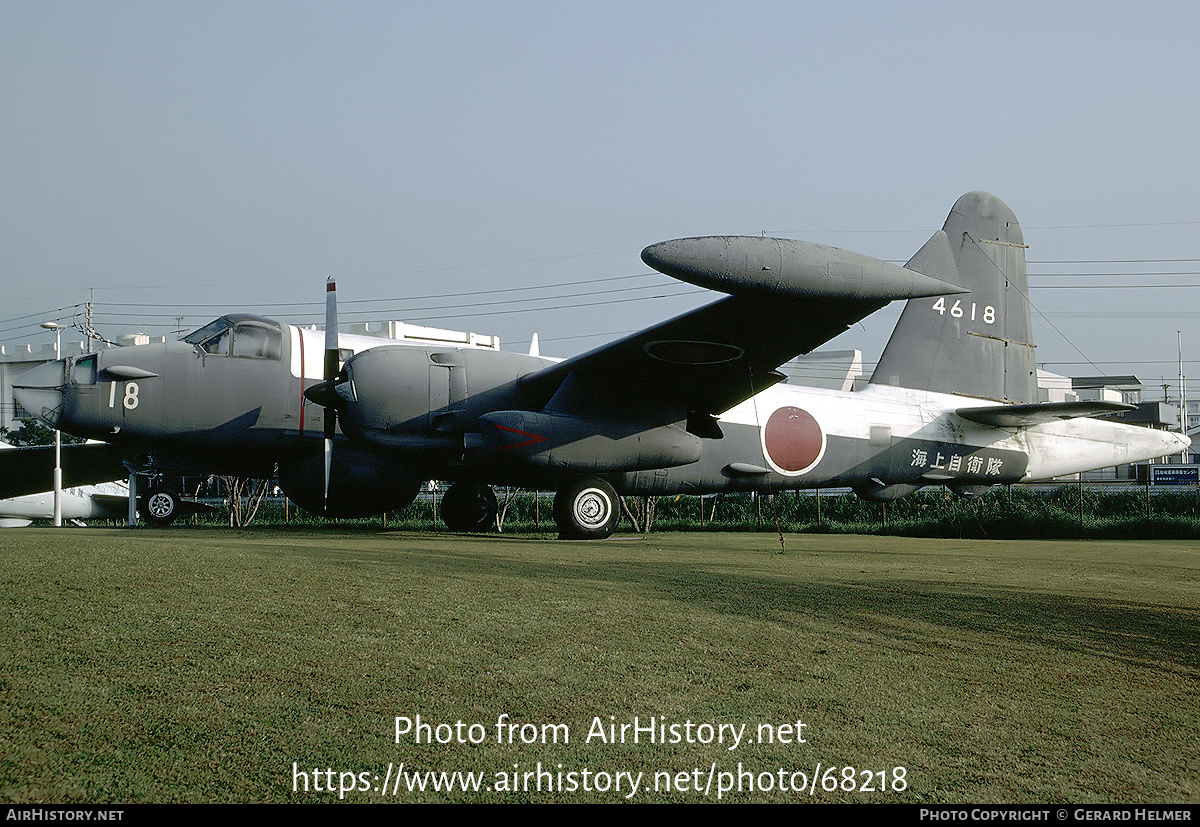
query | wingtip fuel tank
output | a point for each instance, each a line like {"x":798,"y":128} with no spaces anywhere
{"x":755,"y":265}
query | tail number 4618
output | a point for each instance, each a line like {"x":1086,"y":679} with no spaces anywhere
{"x":958,"y":310}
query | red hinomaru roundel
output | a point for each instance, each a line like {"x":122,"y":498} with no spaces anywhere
{"x":793,"y":441}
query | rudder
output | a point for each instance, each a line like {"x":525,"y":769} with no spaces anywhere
{"x":977,"y":344}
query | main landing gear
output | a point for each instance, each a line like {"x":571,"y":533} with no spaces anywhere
{"x":469,"y":506}
{"x":585,"y":509}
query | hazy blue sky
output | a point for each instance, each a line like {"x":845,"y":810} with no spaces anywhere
{"x":183,"y":158}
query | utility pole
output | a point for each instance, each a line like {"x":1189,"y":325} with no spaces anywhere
{"x":1183,"y":418}
{"x":57,"y":328}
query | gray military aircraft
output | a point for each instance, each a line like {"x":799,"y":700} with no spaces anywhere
{"x":694,"y":404}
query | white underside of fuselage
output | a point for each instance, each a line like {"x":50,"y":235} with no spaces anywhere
{"x":880,"y":412}
{"x":77,"y":503}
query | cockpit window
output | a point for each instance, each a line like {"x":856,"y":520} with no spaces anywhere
{"x":219,"y":345}
{"x":84,"y":370}
{"x":251,"y":337}
{"x":255,"y":341}
{"x":208,"y":332}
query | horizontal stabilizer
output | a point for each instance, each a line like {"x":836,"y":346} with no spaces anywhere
{"x":1016,"y":416}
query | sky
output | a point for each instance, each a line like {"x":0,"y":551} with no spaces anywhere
{"x":498,"y":167}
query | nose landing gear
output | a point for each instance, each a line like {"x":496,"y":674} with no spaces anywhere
{"x":159,"y":506}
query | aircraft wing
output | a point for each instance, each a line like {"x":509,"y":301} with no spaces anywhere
{"x":787,"y":297}
{"x":31,"y":470}
{"x":703,"y":362}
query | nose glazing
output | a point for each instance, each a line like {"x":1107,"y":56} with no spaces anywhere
{"x":39,"y":391}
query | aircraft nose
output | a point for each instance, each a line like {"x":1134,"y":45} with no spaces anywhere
{"x":39,"y":391}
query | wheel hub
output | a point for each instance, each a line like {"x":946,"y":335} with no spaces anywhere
{"x":591,"y":508}
{"x":159,"y":505}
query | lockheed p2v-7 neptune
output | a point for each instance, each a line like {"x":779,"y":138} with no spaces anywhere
{"x":694,"y":404}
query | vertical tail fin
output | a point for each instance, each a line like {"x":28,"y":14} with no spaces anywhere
{"x":977,"y":344}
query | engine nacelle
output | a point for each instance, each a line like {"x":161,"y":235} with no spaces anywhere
{"x":388,"y":388}
{"x":592,"y":445}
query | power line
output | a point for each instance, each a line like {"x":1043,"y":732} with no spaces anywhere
{"x":1107,"y":226}
{"x":1105,"y":286}
{"x":1105,"y":275}
{"x":1130,"y":362}
{"x":1111,"y":260}
{"x":43,"y":316}
{"x":1025,"y":228}
{"x":415,"y":315}
{"x":472,"y":304}
{"x":111,"y":310}
{"x":301,"y":305}
{"x":342,"y":302}
{"x":117,"y":310}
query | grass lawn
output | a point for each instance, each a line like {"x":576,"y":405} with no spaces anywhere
{"x":217,"y":665}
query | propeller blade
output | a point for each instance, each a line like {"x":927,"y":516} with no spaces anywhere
{"x":330,"y":374}
{"x":328,"y":466}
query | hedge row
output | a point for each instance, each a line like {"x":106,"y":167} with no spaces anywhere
{"x":1010,"y":513}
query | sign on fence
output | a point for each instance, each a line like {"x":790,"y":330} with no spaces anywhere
{"x":1174,"y":474}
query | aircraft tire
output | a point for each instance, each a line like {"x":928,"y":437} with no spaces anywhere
{"x":587,"y":509}
{"x":468,"y":506}
{"x":160,"y":506}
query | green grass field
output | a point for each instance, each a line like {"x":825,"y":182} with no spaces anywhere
{"x":218,"y":665}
